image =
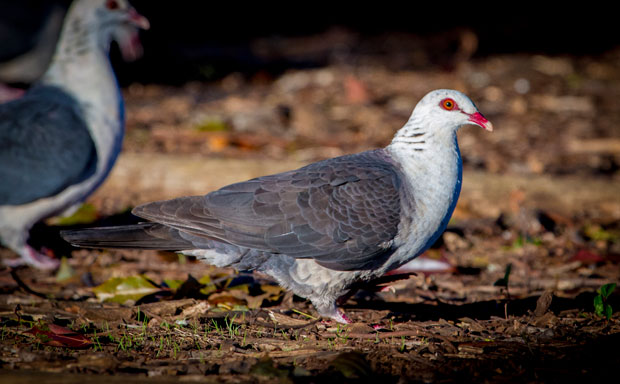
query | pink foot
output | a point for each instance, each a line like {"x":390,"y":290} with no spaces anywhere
{"x":337,"y":315}
{"x":344,"y":318}
{"x":33,"y":258}
{"x":388,"y":288}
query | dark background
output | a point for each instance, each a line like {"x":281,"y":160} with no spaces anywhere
{"x":187,"y":35}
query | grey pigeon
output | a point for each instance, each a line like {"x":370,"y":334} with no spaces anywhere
{"x":59,"y":141}
{"x":320,"y":229}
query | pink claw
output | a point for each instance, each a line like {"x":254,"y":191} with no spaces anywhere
{"x":344,"y":317}
{"x":388,"y":288}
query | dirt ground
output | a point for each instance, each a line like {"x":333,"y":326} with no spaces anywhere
{"x":536,"y":233}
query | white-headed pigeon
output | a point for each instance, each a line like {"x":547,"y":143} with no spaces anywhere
{"x":322,"y":228}
{"x":59,"y":141}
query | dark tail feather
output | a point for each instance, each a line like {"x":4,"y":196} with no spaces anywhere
{"x":138,"y":236}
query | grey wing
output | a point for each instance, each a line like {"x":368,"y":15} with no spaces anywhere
{"x":45,"y":146}
{"x":343,"y":212}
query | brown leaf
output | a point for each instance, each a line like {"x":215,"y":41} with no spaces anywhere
{"x":194,"y":311}
{"x":227,"y":299}
{"x":361,"y":328}
{"x":166,"y":308}
{"x":286,"y":321}
{"x":545,"y":320}
{"x":543,"y":303}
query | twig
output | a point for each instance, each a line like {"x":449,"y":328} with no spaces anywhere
{"x":382,"y":335}
{"x":23,"y":285}
{"x":284,"y":326}
{"x":304,"y":314}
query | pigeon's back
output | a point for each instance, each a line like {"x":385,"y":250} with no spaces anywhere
{"x":45,"y":146}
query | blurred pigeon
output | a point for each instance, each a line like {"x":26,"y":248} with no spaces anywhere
{"x":322,"y":228}
{"x":59,"y":141}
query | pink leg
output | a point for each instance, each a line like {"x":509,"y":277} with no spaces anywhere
{"x":31,"y":257}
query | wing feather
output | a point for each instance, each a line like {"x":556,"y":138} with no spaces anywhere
{"x":45,"y":146}
{"x":342,"y":212}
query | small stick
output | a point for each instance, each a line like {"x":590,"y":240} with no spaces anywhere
{"x":23,"y":285}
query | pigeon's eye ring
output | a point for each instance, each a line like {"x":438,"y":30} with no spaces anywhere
{"x":111,"y":4}
{"x":448,"y":104}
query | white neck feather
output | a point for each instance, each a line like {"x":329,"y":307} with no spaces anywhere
{"x":81,"y":67}
{"x":431,"y":161}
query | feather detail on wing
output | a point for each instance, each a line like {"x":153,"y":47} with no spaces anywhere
{"x":342,"y":212}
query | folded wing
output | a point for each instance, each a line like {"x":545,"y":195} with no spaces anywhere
{"x":45,"y":146}
{"x":342,"y":212}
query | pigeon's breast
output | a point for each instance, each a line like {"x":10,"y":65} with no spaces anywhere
{"x":429,"y":196}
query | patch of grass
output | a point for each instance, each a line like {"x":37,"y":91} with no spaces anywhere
{"x":342,"y":333}
{"x":96,"y":344}
{"x":161,"y":346}
{"x":212,"y":125}
{"x":85,"y":214}
{"x":598,"y":233}
{"x":521,"y":241}
{"x":233,"y":329}
{"x":330,"y":343}
{"x":217,"y":327}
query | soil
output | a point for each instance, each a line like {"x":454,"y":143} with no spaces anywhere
{"x":536,"y":233}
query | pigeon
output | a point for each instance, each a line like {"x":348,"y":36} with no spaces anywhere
{"x":59,"y":141}
{"x":324,"y":228}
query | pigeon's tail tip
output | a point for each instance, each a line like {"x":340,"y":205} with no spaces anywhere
{"x":137,"y":236}
{"x":102,"y":237}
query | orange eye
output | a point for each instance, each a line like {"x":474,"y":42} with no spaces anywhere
{"x":448,"y":104}
{"x":111,"y":4}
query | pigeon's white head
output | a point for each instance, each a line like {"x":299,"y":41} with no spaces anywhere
{"x":106,"y":20}
{"x":447,"y":109}
{"x":436,"y":119}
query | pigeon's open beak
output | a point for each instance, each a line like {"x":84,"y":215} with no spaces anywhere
{"x":128,"y":37}
{"x":138,"y":20}
{"x":481,"y":121}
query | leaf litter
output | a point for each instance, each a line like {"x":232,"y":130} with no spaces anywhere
{"x":526,"y":286}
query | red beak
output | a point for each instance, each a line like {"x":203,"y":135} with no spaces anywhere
{"x":138,"y":20}
{"x":481,"y":121}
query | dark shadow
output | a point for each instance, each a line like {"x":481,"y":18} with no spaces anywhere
{"x":482,"y":310}
{"x":48,"y":236}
